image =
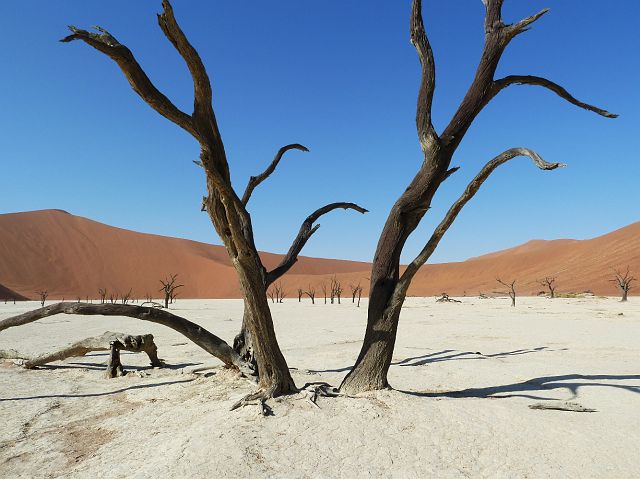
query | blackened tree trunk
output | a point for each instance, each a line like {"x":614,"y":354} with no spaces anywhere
{"x":226,"y":210}
{"x":388,"y":287}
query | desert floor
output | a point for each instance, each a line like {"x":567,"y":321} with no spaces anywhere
{"x":464,"y":376}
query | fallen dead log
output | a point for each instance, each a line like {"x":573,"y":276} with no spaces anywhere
{"x":196,"y":333}
{"x":562,"y":406}
{"x":109,"y":341}
{"x":446,"y":299}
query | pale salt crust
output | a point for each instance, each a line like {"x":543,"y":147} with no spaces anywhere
{"x":464,"y":375}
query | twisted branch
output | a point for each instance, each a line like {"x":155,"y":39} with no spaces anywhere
{"x":306,"y":231}
{"x":426,"y":133}
{"x":104,"y":42}
{"x":469,"y":192}
{"x":256,"y":180}
{"x":503,"y":83}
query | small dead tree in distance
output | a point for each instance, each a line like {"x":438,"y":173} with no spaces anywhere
{"x":300,"y":294}
{"x":169,"y":288}
{"x":323,"y":285}
{"x":279,"y":291}
{"x":335,"y":289}
{"x":311,"y":292}
{"x":388,"y":287}
{"x":549,"y":282}
{"x":623,"y":282}
{"x":102,"y":292}
{"x":125,"y":298}
{"x":356,"y":290}
{"x":511,"y":291}
{"x":43,"y":294}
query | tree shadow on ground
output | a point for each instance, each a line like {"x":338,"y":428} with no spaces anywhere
{"x":445,"y":355}
{"x":101,"y":394}
{"x":528,"y":388}
{"x":453,"y":355}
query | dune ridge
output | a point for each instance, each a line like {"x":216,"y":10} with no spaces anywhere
{"x":72,"y":257}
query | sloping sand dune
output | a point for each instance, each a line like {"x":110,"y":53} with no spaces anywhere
{"x":72,"y":257}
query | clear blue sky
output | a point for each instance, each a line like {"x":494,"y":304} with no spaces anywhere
{"x":340,"y":77}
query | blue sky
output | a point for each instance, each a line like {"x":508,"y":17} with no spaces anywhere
{"x":341,"y":78}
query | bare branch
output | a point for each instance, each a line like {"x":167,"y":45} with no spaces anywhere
{"x":523,"y":25}
{"x":470,"y":191}
{"x":256,"y":180}
{"x":306,"y":231}
{"x":484,"y":88}
{"x":503,"y":83}
{"x":204,"y":118}
{"x":202,"y":96}
{"x":200,"y":336}
{"x":138,"y":79}
{"x":426,"y":132}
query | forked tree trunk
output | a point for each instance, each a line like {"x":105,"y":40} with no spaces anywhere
{"x":388,"y":288}
{"x":243,"y":343}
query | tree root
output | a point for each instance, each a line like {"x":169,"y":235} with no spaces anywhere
{"x":260,"y":396}
{"x":109,"y":341}
{"x":310,"y":391}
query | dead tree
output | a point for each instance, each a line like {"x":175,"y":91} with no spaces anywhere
{"x":549,"y":282}
{"x":227,"y":211}
{"x":356,"y":291}
{"x":105,"y":342}
{"x":324,"y":291}
{"x":511,"y":291}
{"x":169,"y":288}
{"x":389,"y":284}
{"x":125,"y":298}
{"x":102,"y":292}
{"x":335,"y":289}
{"x":279,"y":291}
{"x":300,"y":294}
{"x":623,"y":282}
{"x":311,"y":292}
{"x":43,"y":294}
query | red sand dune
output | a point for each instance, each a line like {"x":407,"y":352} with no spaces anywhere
{"x":72,"y":257}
